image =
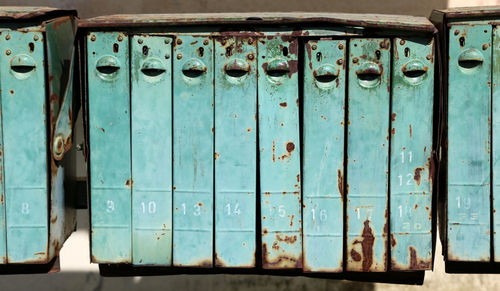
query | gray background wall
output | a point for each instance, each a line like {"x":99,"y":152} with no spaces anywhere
{"x":78,"y":274}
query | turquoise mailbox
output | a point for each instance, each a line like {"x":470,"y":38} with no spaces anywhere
{"x":468,"y":175}
{"x":264,"y":141}
{"x":36,"y":79}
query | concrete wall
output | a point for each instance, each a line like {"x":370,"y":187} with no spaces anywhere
{"x":79,"y":274}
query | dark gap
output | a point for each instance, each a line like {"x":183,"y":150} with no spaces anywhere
{"x":368,"y":76}
{"x":285,"y":51}
{"x":236,"y":73}
{"x":492,"y":209}
{"x":116,"y":48}
{"x":214,"y":247}
{"x":325,"y":78}
{"x":229,"y":51}
{"x":461,"y":41}
{"x":300,"y":64}
{"x":107,"y":70}
{"x":31,"y":47}
{"x":389,"y":141}
{"x":152,"y":72}
{"x":346,"y":136}
{"x":145,"y":50}
{"x":193,"y":73}
{"x":414,"y":73}
{"x":407,"y":52}
{"x":377,"y":54}
{"x":23,"y":69}
{"x":201,"y":52}
{"x":171,"y":47}
{"x":277,"y":72}
{"x":258,"y":215}
{"x":129,"y":75}
{"x":469,"y":64}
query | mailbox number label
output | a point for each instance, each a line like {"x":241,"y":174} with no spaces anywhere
{"x":196,"y":211}
{"x":149,"y":207}
{"x":25,"y":208}
{"x":322,"y":214}
{"x":235,"y":210}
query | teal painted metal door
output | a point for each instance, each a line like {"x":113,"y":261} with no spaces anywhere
{"x":323,"y":151}
{"x":151,"y":127}
{"x":279,"y":153}
{"x":109,"y":137}
{"x":22,"y":84}
{"x":235,"y":151}
{"x":411,"y":153}
{"x":193,"y":150}
{"x":469,"y":109}
{"x":368,"y":154}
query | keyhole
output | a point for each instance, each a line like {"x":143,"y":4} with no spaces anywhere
{"x":462,"y":41}
{"x":201,"y":51}
{"x":285,"y":51}
{"x":318,"y":56}
{"x":407,"y":52}
{"x":377,"y":54}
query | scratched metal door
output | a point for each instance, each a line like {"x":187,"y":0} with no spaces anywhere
{"x":411,"y":149}
{"x":279,"y":153}
{"x":368,"y":154}
{"x":24,"y":145}
{"x":323,"y":151}
{"x":193,"y":145}
{"x":469,"y":108}
{"x":109,"y":137}
{"x":151,"y":127}
{"x":235,"y":151}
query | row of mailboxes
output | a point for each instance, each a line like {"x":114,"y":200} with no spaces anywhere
{"x":239,"y":143}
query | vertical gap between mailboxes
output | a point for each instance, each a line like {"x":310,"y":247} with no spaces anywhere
{"x":129,"y":44}
{"x":300,"y":69}
{"x":171,"y":52}
{"x":346,"y":132}
{"x":214,"y":180}
{"x":492,"y":209}
{"x":389,"y":142}
{"x":258,"y":215}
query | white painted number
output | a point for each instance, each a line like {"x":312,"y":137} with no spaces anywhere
{"x":151,"y":209}
{"x":368,"y":213}
{"x":236,"y":210}
{"x":322,"y":214}
{"x":196,"y":212}
{"x":25,"y":208}
{"x":409,"y":177}
{"x":463,"y":202}
{"x":410,"y":157}
{"x":110,"y":206}
{"x":281,"y":211}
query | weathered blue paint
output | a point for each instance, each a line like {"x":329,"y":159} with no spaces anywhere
{"x":151,"y":127}
{"x":411,"y":153}
{"x":109,"y":137}
{"x":279,"y":153}
{"x":235,"y":151}
{"x":368,"y":153}
{"x":193,"y":144}
{"x":469,"y":108}
{"x":323,"y":151}
{"x":25,"y":146}
{"x":3,"y":225}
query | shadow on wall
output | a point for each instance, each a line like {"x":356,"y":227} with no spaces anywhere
{"x":91,"y":8}
{"x":92,"y":281}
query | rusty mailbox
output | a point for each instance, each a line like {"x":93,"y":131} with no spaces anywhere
{"x":36,"y":62}
{"x":266,"y":141}
{"x":469,"y":185}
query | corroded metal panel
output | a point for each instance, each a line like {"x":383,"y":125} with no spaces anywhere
{"x":368,"y":153}
{"x":151,"y":130}
{"x":109,"y":137}
{"x":323,"y":151}
{"x":193,"y":144}
{"x":235,"y":151}
{"x":411,"y":154}
{"x":24,"y":119}
{"x":279,"y":153}
{"x":469,"y":108}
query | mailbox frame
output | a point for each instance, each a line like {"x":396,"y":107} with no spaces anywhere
{"x":302,"y":26}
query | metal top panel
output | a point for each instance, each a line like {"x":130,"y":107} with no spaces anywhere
{"x":467,"y":12}
{"x":32,"y":13}
{"x":397,"y":22}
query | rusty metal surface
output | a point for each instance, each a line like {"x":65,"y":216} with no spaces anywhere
{"x":31,"y":12}
{"x":398,"y":22}
{"x":481,"y":12}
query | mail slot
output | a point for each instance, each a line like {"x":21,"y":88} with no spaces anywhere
{"x":468,"y":173}
{"x":36,"y":77}
{"x":267,"y":141}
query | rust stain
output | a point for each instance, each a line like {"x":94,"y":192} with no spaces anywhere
{"x":283,"y":104}
{"x":393,"y":117}
{"x":340,"y":183}
{"x":393,"y":241}
{"x":417,"y":175}
{"x":309,"y":53}
{"x":53,"y":219}
{"x":249,"y":129}
{"x":393,"y":131}
{"x":367,"y":246}
{"x":280,"y":261}
{"x":415,"y":262}
{"x":274,"y":151}
{"x":129,"y":182}
{"x":410,"y":131}
{"x":290,"y":146}
{"x":294,"y":68}
{"x":355,"y":255}
{"x":11,"y":92}
{"x":298,"y":178}
{"x":216,"y":156}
